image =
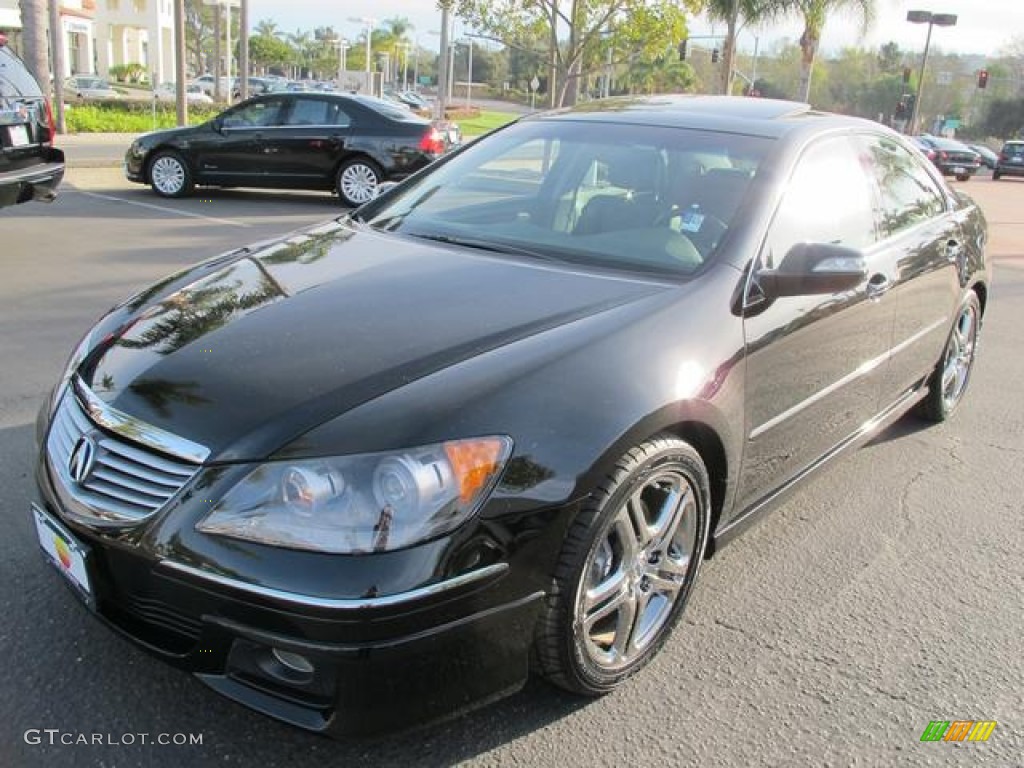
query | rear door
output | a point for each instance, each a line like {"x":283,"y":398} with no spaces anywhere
{"x":922,"y":252}
{"x":813,"y":363}
{"x":314,"y":139}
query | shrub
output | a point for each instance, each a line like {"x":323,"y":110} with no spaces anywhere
{"x":128,"y":117}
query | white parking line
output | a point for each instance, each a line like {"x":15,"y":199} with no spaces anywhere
{"x":161,"y":208}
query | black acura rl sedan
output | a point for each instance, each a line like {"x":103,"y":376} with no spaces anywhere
{"x":375,"y":472}
{"x":347,"y":144}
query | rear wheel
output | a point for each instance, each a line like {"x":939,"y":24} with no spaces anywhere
{"x":358,"y":180}
{"x":627,"y":567}
{"x":996,"y":175}
{"x":949,"y":381}
{"x":963,"y":177}
{"x":169,"y":175}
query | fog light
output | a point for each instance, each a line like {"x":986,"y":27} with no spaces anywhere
{"x":293,"y":661}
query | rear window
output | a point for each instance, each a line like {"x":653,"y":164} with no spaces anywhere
{"x":15,"y":80}
{"x":1014,"y":150}
{"x":389,"y":110}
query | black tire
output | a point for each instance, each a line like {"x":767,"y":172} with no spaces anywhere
{"x":948,"y":382}
{"x":652,"y":578}
{"x":357,"y":181}
{"x":963,"y":177}
{"x":996,"y":175}
{"x":169,"y":175}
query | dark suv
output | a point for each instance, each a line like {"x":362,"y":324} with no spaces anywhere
{"x":30,"y":167}
{"x":1011,"y":160}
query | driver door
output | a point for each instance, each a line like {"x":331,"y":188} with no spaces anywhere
{"x":814,"y":362}
{"x":236,"y":154}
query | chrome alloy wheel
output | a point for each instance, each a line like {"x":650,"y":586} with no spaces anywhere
{"x":167,"y":175}
{"x":358,"y":183}
{"x":956,"y":368}
{"x":636,"y":570}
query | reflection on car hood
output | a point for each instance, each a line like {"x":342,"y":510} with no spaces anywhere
{"x":279,"y":340}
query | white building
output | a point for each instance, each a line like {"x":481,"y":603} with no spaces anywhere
{"x":77,"y":25}
{"x":135,"y":32}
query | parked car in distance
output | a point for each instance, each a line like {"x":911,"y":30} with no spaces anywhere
{"x":206,"y":83}
{"x":348,"y":144}
{"x":987,"y":156}
{"x":30,"y":167}
{"x":257,"y":86}
{"x":89,"y":88}
{"x":1011,"y":160}
{"x":373,"y":473}
{"x":194,"y":94}
{"x":952,"y":157}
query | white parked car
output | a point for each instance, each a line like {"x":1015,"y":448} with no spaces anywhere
{"x":193,"y":94}
{"x":205,"y":82}
{"x":88,"y":88}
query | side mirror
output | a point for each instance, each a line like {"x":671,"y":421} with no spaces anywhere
{"x":217,"y":124}
{"x":814,"y":268}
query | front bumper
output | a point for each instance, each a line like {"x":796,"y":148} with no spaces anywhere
{"x":37,"y":182}
{"x":376,"y":664}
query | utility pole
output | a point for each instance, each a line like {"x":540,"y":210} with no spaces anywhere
{"x":57,"y":48}
{"x":243,"y":50}
{"x":442,"y":60}
{"x":180,"y":97}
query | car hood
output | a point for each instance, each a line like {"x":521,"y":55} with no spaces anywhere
{"x":277,"y":340}
{"x":156,"y":137}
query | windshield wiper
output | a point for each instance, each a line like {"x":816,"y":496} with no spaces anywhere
{"x":485,"y":245}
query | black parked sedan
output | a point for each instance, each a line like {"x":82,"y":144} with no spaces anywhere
{"x":345,"y":143}
{"x":951,"y":157}
{"x":373,"y":472}
{"x":30,"y":167}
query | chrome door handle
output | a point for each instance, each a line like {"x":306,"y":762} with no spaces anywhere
{"x":954,"y":251}
{"x":878,"y":285}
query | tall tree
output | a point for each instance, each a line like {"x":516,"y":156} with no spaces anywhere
{"x":576,"y":29}
{"x":815,"y":14}
{"x":736,"y":14}
{"x":33,"y":36}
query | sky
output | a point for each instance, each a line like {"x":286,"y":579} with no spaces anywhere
{"x":983,"y":26}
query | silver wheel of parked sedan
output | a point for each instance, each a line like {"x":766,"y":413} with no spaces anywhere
{"x":949,"y":381}
{"x":358,"y":181}
{"x":627,"y":568}
{"x":169,"y":175}
{"x":635,"y":572}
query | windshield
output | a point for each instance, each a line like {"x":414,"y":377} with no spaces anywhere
{"x":636,"y":197}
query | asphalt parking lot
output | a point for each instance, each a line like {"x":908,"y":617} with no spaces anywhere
{"x":884,"y":595}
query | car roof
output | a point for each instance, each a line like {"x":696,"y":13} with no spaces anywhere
{"x":771,"y":118}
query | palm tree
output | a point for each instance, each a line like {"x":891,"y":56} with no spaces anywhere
{"x":266,"y":28}
{"x":815,"y":13}
{"x":735,"y":14}
{"x":34,"y":42}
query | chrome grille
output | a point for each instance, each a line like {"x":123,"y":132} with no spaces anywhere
{"x":123,"y":482}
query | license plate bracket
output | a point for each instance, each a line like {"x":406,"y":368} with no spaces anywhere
{"x":65,"y":553}
{"x":18,"y":135}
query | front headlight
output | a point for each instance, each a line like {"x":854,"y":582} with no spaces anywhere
{"x":364,"y":503}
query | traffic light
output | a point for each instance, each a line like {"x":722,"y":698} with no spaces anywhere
{"x":682,"y":50}
{"x":714,"y":55}
{"x":983,"y":78}
{"x":906,"y":74}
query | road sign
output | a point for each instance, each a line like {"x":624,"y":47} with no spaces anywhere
{"x":534,"y":84}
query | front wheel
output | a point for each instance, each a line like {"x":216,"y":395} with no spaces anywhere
{"x":169,"y":175}
{"x":948,"y":382}
{"x":358,"y":181}
{"x":963,"y":177}
{"x":995,"y":175}
{"x":627,"y":567}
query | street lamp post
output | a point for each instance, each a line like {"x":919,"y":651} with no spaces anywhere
{"x":370,"y":23}
{"x":931,"y":19}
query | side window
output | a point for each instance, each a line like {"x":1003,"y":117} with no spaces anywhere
{"x":828,"y":200}
{"x":907,"y":193}
{"x":307,"y":111}
{"x":259,"y":114}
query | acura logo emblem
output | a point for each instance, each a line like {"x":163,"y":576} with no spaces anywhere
{"x":80,"y":463}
